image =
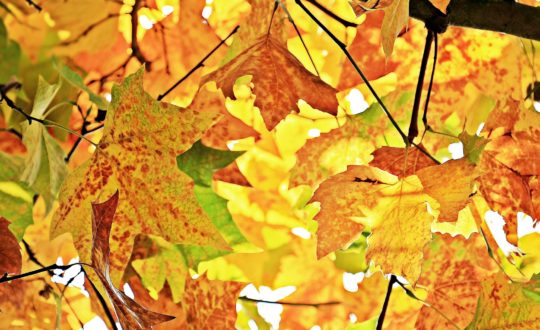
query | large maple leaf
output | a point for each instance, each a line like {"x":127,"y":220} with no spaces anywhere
{"x":395,"y":210}
{"x":137,"y":155}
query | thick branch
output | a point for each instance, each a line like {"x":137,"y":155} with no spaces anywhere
{"x":494,"y":15}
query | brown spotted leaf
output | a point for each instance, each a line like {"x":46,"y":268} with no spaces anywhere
{"x":509,"y":177}
{"x":130,"y":314}
{"x":10,"y":253}
{"x":395,"y":210}
{"x":210,"y":304}
{"x":280,"y":81}
{"x":451,"y":184}
{"x":137,"y":155}
{"x":453,"y":272}
{"x":506,"y":305}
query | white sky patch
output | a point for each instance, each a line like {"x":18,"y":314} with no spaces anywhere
{"x":128,"y":292}
{"x":270,"y":312}
{"x":324,"y":52}
{"x":108,"y":96}
{"x":357,"y":101}
{"x":167,"y":10}
{"x":480,"y":128}
{"x":231,"y":144}
{"x":63,"y":277}
{"x":495,"y":224}
{"x":96,"y":323}
{"x":145,"y":22}
{"x":314,"y":132}
{"x":206,"y":12}
{"x":350,"y":281}
{"x":301,"y":232}
{"x":353,"y":318}
{"x":315,"y":327}
{"x":536,"y":105}
{"x":456,"y":149}
{"x":526,"y":225}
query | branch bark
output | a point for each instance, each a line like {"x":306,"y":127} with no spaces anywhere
{"x":493,"y":15}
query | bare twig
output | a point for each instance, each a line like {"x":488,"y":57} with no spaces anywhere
{"x":89,"y":28}
{"x":198,"y":65}
{"x":285,"y":303}
{"x":380,"y":321}
{"x":136,"y":50}
{"x":35,"y":5}
{"x":331,"y":14}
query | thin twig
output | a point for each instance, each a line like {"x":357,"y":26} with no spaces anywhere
{"x":380,"y":320}
{"x":413,"y":126}
{"x":289,"y":17}
{"x":343,"y":48}
{"x":136,"y":50}
{"x":89,"y":28}
{"x":331,"y":14}
{"x":198,"y":65}
{"x":316,"y":305}
{"x":6,"y":278}
{"x":35,"y":5}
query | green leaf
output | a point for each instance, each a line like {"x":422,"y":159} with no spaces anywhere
{"x":77,"y":81}
{"x":16,"y":199}
{"x":200,"y":162}
{"x":10,"y":54}
{"x":45,"y":168}
{"x":473,"y":145}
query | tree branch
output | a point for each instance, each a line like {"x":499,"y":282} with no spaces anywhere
{"x":284,"y":303}
{"x":136,"y":50}
{"x":493,"y":15}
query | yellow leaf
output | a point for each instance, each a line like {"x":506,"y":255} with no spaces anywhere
{"x":137,"y":155}
{"x":395,"y":19}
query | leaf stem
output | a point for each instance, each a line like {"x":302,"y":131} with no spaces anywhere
{"x":198,"y":65}
{"x":430,"y":86}
{"x":316,"y":305}
{"x":380,"y":321}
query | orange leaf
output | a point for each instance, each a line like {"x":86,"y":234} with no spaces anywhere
{"x":10,"y":253}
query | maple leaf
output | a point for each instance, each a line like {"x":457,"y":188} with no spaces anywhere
{"x":391,"y":207}
{"x":280,"y":81}
{"x":137,"y":154}
{"x":399,"y":161}
{"x":453,"y":271}
{"x":10,"y":261}
{"x":451,"y":184}
{"x":506,"y":305}
{"x":130,"y":314}
{"x":209,"y":303}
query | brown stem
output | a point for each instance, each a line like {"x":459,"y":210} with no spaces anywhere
{"x":331,"y":14}
{"x":316,"y":305}
{"x":380,"y":321}
{"x":136,"y":50}
{"x":413,"y":126}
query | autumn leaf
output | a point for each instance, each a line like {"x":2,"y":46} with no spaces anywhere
{"x":208,"y":303}
{"x":130,"y":314}
{"x":399,"y":161}
{"x":44,"y":164}
{"x":139,"y":135}
{"x":278,"y":89}
{"x":395,"y":19}
{"x":10,"y":261}
{"x":493,"y":312}
{"x":453,"y":272}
